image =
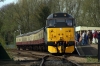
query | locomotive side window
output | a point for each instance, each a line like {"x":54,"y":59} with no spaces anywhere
{"x":69,"y":22}
{"x":50,"y":22}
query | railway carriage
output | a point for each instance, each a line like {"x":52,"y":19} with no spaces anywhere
{"x":58,"y":36}
{"x":32,"y":40}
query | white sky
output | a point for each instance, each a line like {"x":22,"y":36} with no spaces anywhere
{"x":7,"y":2}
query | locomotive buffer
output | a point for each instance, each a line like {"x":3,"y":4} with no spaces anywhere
{"x":86,"y":50}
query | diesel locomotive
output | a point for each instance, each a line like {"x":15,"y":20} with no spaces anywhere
{"x":58,"y":36}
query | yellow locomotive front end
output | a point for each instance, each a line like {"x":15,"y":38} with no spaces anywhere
{"x":60,"y":33}
{"x":60,"y":40}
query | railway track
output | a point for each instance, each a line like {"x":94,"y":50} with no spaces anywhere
{"x":34,"y":58}
{"x":44,"y":59}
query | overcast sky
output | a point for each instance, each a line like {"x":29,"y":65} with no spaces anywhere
{"x":7,"y":2}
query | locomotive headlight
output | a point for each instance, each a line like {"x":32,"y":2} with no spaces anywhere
{"x":55,"y":42}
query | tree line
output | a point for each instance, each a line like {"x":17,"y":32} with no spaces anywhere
{"x":30,"y":15}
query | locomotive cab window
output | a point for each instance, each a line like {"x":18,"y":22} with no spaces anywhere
{"x":69,"y":22}
{"x":50,"y":23}
{"x":60,"y":23}
{"x":60,"y":20}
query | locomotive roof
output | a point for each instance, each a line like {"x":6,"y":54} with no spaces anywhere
{"x":59,"y":15}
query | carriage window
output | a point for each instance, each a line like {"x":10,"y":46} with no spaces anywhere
{"x":69,"y":22}
{"x":50,"y":22}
